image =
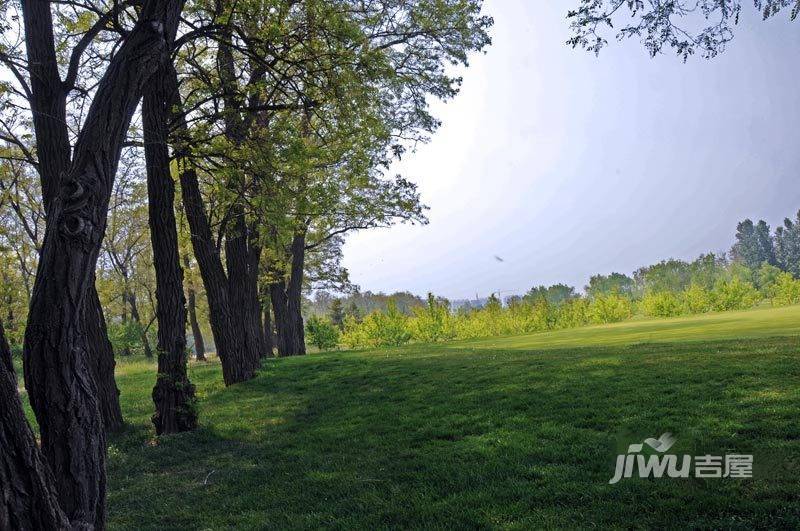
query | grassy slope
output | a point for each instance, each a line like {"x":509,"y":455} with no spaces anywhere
{"x":760,"y":322}
{"x":501,"y":433}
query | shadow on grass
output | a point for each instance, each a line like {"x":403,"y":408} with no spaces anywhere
{"x":431,"y":437}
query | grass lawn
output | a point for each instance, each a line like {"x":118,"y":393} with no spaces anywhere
{"x":512,"y":433}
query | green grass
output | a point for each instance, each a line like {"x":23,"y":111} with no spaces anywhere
{"x":760,"y":322}
{"x":510,"y":433}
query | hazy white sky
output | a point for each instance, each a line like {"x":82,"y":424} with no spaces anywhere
{"x":566,"y":165}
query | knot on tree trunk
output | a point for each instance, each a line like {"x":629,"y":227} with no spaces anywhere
{"x":75,"y":216}
{"x":156,"y":26}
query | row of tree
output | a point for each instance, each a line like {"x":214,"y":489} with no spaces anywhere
{"x":738,"y":280}
{"x":239,"y":141}
{"x":436,"y":322}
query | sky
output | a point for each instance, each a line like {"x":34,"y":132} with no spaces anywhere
{"x":566,"y":165}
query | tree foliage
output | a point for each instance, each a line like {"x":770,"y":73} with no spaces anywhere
{"x":688,"y":27}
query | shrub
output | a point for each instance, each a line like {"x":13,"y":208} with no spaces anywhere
{"x":573,"y":314}
{"x":786,"y":290}
{"x":697,"y":299}
{"x":355,"y":334}
{"x":378,"y":329}
{"x":391,"y":327}
{"x":766,"y":278}
{"x":662,"y":304}
{"x":321,"y":333}
{"x":611,"y":308}
{"x":126,"y":338}
{"x":432,"y":323}
{"x":734,"y":294}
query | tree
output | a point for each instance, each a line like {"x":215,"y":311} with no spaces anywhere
{"x":293,"y":149}
{"x":236,"y":367}
{"x":197,"y":333}
{"x":321,"y":333}
{"x":46,"y":95}
{"x":173,"y":394}
{"x":754,"y":245}
{"x":666,"y":276}
{"x":615,"y":283}
{"x":61,"y":387}
{"x":336,"y":313}
{"x":554,"y":295}
{"x":354,"y":312}
{"x":787,"y":246}
{"x":666,"y":24}
{"x":28,"y":498}
{"x":706,"y":269}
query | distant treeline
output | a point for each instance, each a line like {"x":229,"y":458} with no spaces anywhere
{"x":761,"y":266}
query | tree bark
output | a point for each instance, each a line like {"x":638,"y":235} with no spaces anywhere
{"x":255,"y":326}
{"x":48,"y":102}
{"x":241,"y":291}
{"x":102,"y":362}
{"x":28,"y":498}
{"x":173,"y":394}
{"x":197,"y":334}
{"x":287,"y":303}
{"x":277,"y":295}
{"x":58,"y":374}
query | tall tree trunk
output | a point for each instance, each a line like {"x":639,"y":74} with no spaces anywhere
{"x":173,"y":393}
{"x":197,"y":334}
{"x":238,"y":237}
{"x":277,"y":295}
{"x":28,"y":498}
{"x":286,"y":296}
{"x":295,"y":332}
{"x":58,"y":374}
{"x":228,"y":342}
{"x":255,"y":326}
{"x":48,"y":102}
{"x":137,"y":318}
{"x":102,"y":361}
{"x":237,"y":258}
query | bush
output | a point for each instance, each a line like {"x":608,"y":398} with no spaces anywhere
{"x":735,"y":294}
{"x":432,"y":323}
{"x":785,"y":291}
{"x":611,"y":308}
{"x":391,"y":327}
{"x":574,"y":313}
{"x":663,"y":304}
{"x":378,"y":329}
{"x":766,"y":278}
{"x":321,"y":333}
{"x":435,"y":322}
{"x":126,"y":338}
{"x":355,"y":334}
{"x":697,"y":299}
